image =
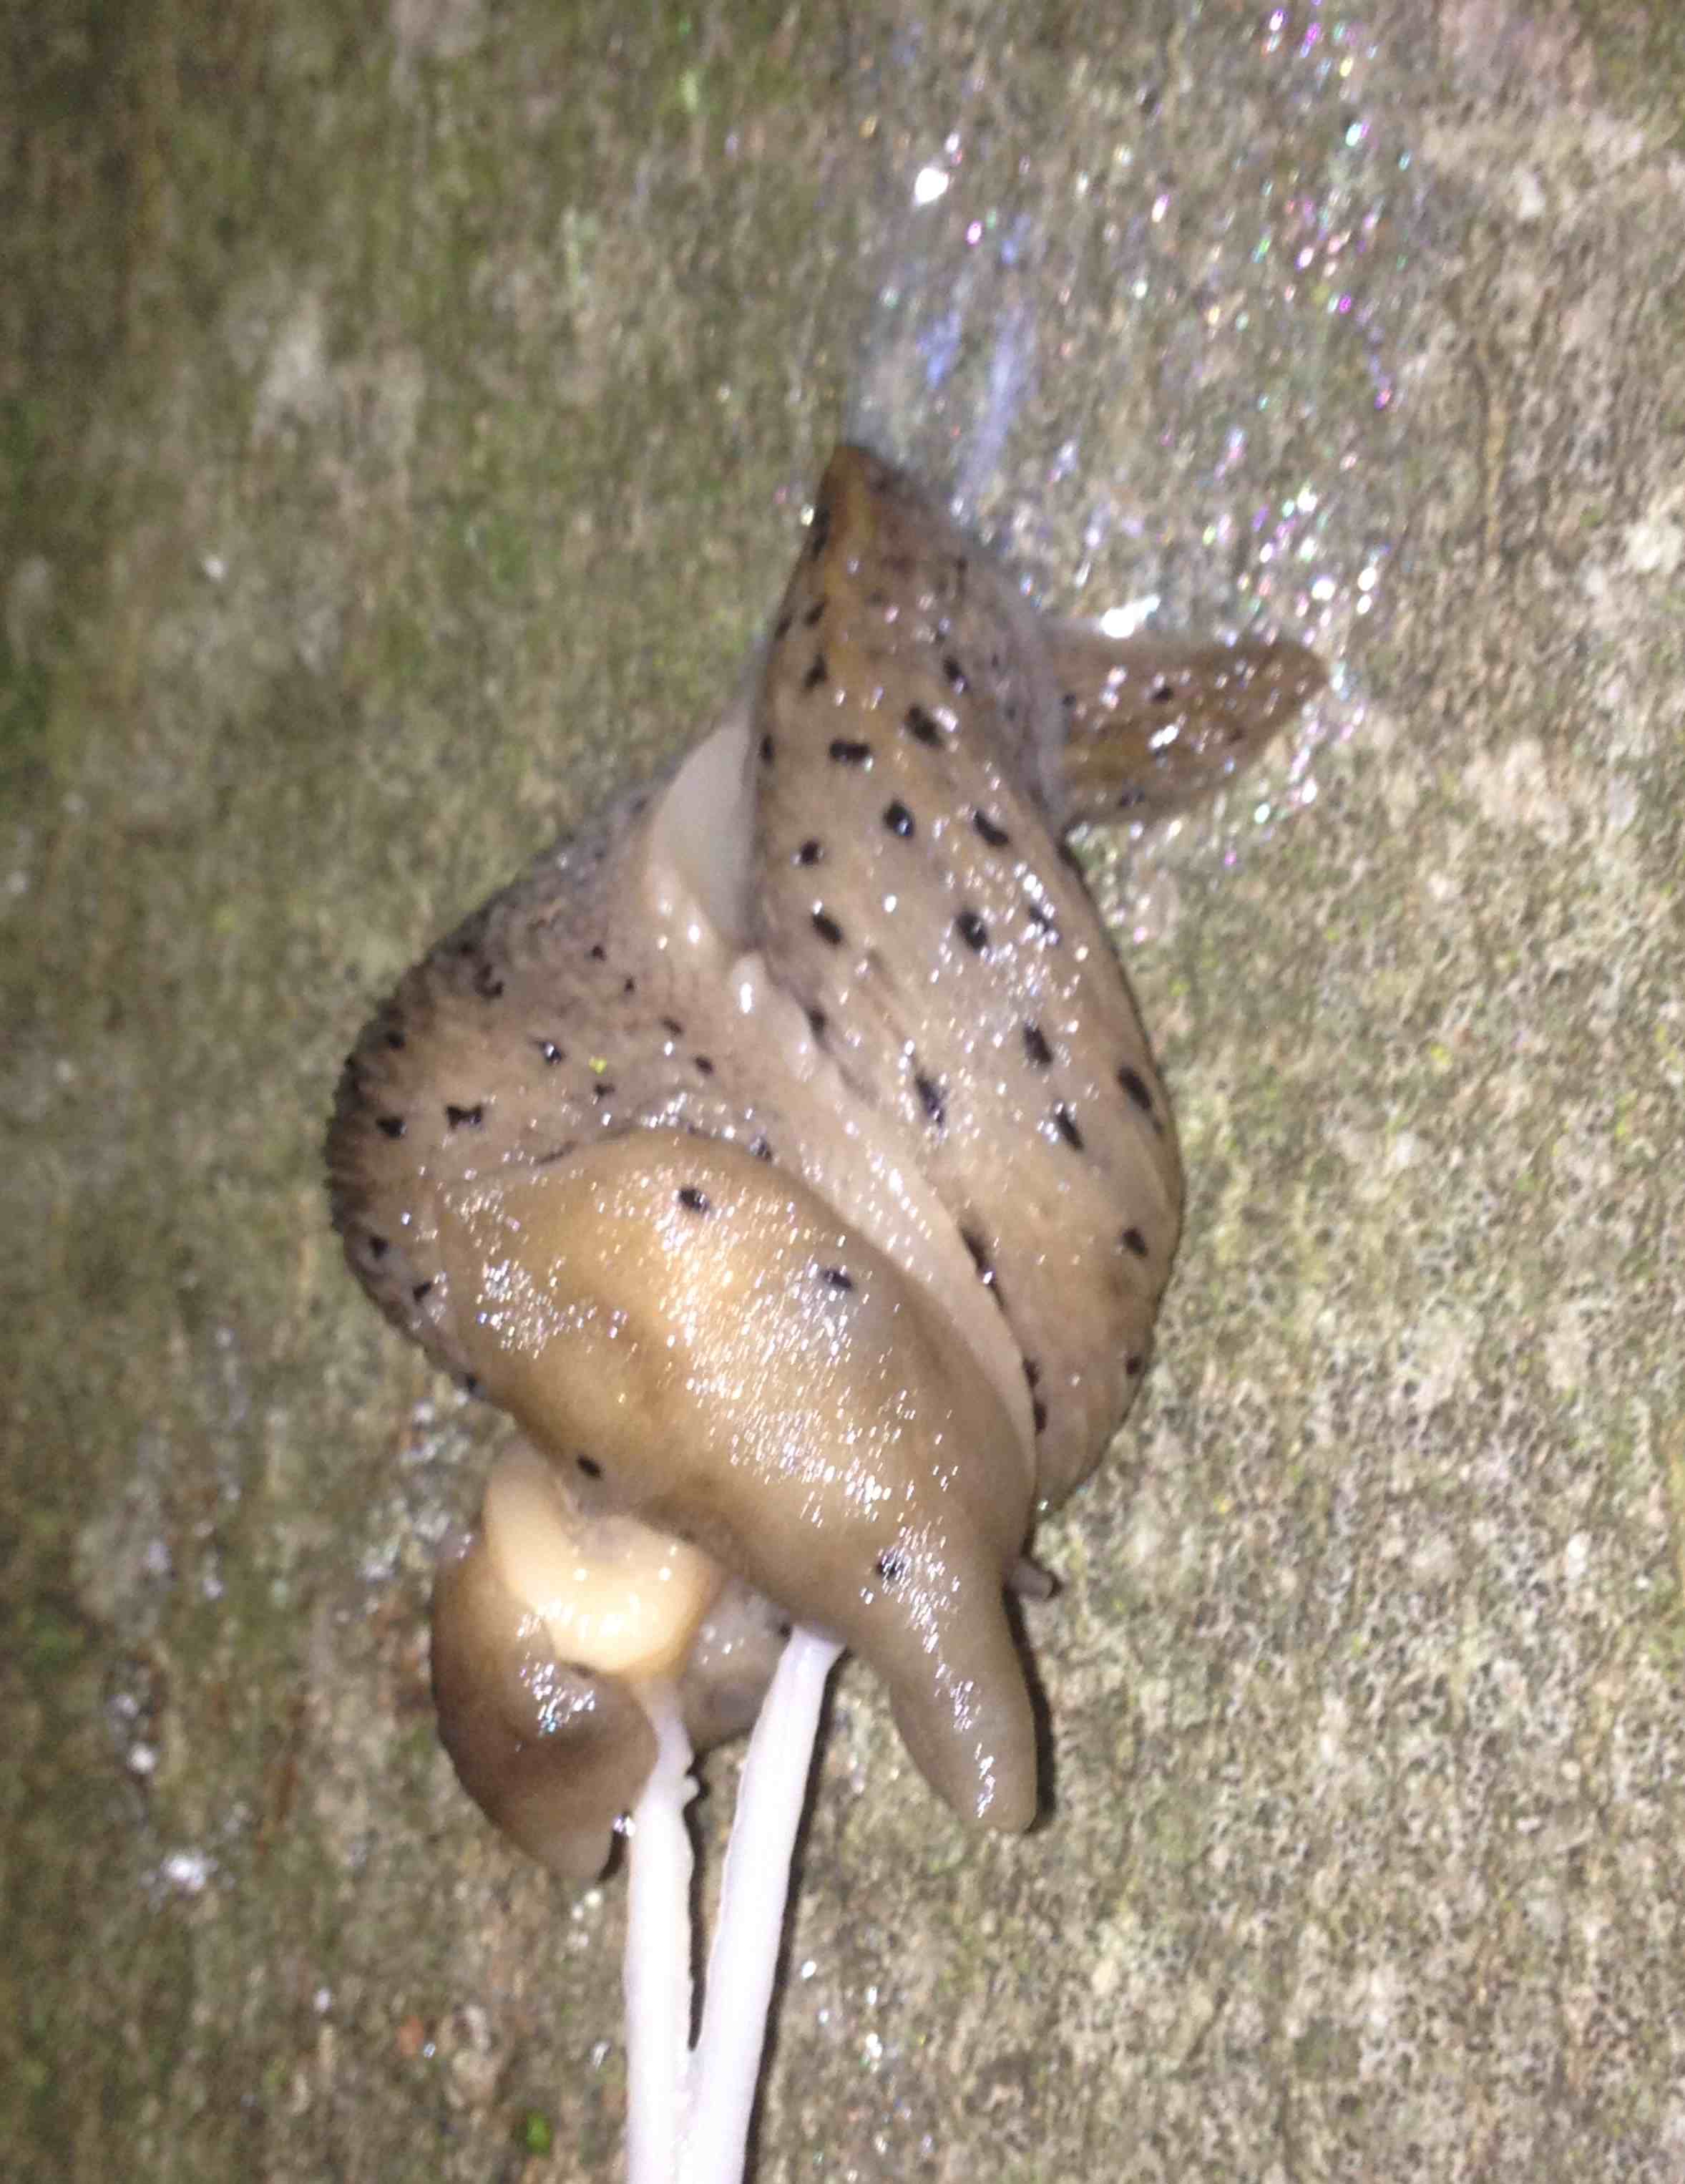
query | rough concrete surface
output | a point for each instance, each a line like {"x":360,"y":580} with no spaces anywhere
{"x":407,"y":416}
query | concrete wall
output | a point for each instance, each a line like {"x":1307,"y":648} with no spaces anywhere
{"x":408,"y":422}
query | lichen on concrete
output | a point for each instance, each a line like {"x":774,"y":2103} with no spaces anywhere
{"x":405,"y":424}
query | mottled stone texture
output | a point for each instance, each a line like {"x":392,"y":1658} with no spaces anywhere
{"x":406,"y":423}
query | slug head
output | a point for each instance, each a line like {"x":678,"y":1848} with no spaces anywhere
{"x":548,"y":1626}
{"x":544,"y":1624}
{"x":697,"y":1340}
{"x":551,"y":1755}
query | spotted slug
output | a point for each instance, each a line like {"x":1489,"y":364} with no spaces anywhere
{"x":785,"y":1153}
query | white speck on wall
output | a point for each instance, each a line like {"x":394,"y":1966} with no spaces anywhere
{"x":1621,"y":803}
{"x":297,"y":387}
{"x":1330,"y":1729}
{"x":1568,"y":1347}
{"x":1404,"y":1151}
{"x":1433,"y":1561}
{"x":188,"y":1872}
{"x":1655,"y":545}
{"x":30,"y":593}
{"x":1439,"y":1359}
{"x":1378,"y":1998}
{"x":1112,"y":1941}
{"x":1514,"y":787}
{"x":437,"y":30}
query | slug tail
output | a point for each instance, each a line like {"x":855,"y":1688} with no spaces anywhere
{"x":1151,"y":723}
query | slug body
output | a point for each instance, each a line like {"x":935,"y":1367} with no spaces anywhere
{"x":785,"y":1151}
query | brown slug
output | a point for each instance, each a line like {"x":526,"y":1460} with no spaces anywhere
{"x":786,"y":1154}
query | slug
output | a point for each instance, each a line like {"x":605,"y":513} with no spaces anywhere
{"x":786,"y":1154}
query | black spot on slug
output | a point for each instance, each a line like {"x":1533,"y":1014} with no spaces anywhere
{"x":766,"y":750}
{"x":972,"y":930}
{"x":994,"y":834}
{"x":628,"y":986}
{"x":397,"y":1041}
{"x":817,"y":1022}
{"x":1135,"y":1085}
{"x":389,"y":1126}
{"x":1039,"y":1413}
{"x":1133,"y":1240}
{"x":920,"y":723}
{"x":818,"y":673}
{"x":979,"y":1253}
{"x":898,"y":820}
{"x":810,"y":620}
{"x":890,"y":1566}
{"x":848,"y":752}
{"x":703,"y":1064}
{"x":552,"y":1053}
{"x":1043,"y":918}
{"x":419,"y":1291}
{"x":1134,"y":1367}
{"x":809,"y":853}
{"x":672,"y":1027}
{"x":760,"y":1150}
{"x":598,"y":952}
{"x":378,"y":1247}
{"x":1066,"y":1122}
{"x":1036,"y":1048}
{"x":781,"y":629}
{"x":601,"y":1090}
{"x":1032,"y":1373}
{"x":589,"y":1466}
{"x":694,"y":1200}
{"x":827,"y":927}
{"x":931,"y":1093}
{"x":1161,"y":692}
{"x":834,"y":1279}
{"x":955,"y":673}
{"x":486,"y":982}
